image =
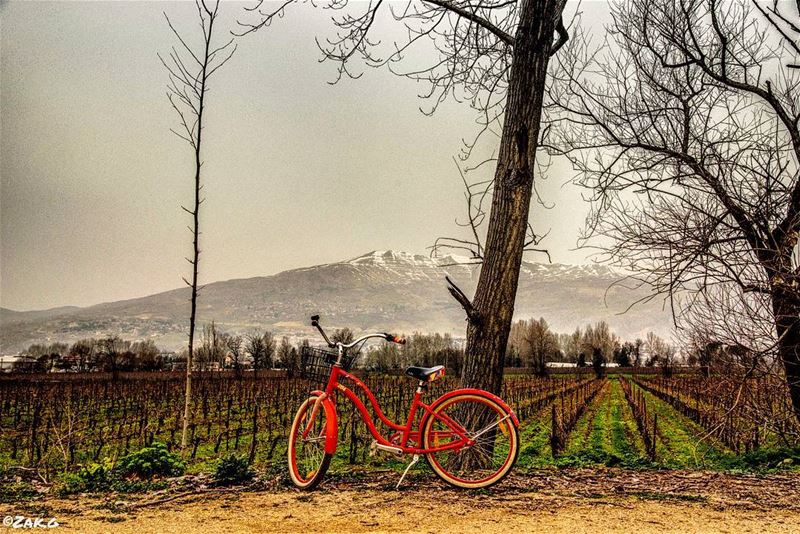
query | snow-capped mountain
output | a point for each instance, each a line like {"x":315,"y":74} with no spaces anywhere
{"x":381,"y":290}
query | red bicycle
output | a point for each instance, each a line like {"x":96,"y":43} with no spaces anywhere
{"x":469,"y":437}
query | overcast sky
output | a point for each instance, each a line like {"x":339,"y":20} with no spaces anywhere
{"x":298,"y":172}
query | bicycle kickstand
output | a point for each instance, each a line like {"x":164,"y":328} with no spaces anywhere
{"x":414,"y":460}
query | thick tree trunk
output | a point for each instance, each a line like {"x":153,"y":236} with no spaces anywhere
{"x":786,"y":307}
{"x":489,"y":325}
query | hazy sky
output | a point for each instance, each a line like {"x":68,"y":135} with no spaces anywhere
{"x":298,"y":172}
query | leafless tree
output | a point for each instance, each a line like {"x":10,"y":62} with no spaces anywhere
{"x":83,"y":352}
{"x":686,"y":128}
{"x":234,"y":345}
{"x":270,"y":345}
{"x":343,"y":335}
{"x":212,"y":348}
{"x":261,"y":348}
{"x":189,"y":70}
{"x":570,"y":345}
{"x":112,"y":353}
{"x":535,"y":343}
{"x":543,"y":344}
{"x":493,"y":54}
{"x":283,"y":354}
{"x":147,"y":357}
{"x":599,"y":342}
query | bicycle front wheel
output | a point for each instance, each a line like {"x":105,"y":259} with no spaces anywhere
{"x":496,"y":438}
{"x":308,"y":460}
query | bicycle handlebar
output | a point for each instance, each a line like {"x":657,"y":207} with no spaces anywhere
{"x":315,"y":322}
{"x":384,"y":335}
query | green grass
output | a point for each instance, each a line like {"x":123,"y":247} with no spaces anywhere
{"x":679,"y":444}
{"x":765,"y":460}
{"x":606,"y":433}
{"x":535,"y":449}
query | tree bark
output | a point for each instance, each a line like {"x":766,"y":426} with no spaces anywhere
{"x":493,"y":304}
{"x":786,"y":308}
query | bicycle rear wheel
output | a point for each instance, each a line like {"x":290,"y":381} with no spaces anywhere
{"x":496,"y":446}
{"x":308,"y":460}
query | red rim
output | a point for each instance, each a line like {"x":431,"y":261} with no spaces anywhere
{"x":297,"y":428}
{"x":499,"y":473}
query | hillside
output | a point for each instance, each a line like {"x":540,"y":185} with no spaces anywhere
{"x":381,"y":290}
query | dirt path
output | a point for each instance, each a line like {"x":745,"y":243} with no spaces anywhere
{"x":584,"y":501}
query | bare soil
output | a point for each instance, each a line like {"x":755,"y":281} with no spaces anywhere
{"x":560,"y":501}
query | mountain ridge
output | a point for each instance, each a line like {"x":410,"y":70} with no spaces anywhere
{"x":380,"y":290}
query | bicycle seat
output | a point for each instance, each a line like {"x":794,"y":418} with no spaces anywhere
{"x":426,"y":374}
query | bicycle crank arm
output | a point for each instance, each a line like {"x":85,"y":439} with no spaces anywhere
{"x":386,"y":448}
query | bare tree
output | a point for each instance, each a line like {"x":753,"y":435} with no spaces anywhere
{"x":284,"y":353}
{"x":113,"y":353}
{"x":571,"y":345}
{"x":261,"y":348}
{"x":269,"y":349}
{"x":255,"y":349}
{"x":189,"y":71}
{"x":599,"y":342}
{"x":343,"y":335}
{"x":495,"y":55}
{"x":686,"y":128}
{"x":535,"y":344}
{"x":83,"y":352}
{"x":234,"y":345}
{"x":212,"y":348}
{"x":659,"y":353}
{"x":147,"y":357}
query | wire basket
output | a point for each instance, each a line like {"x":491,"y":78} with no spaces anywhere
{"x":316,"y":363}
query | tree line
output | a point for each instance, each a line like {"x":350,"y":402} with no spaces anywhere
{"x":219,"y":350}
{"x":533,"y":344}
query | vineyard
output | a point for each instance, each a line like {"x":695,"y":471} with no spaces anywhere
{"x":687,"y":421}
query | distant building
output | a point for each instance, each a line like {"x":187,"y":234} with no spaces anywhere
{"x":565,"y":365}
{"x":9,"y":363}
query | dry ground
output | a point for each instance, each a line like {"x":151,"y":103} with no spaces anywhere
{"x":553,"y":502}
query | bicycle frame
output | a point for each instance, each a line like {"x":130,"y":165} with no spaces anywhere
{"x":406,"y":432}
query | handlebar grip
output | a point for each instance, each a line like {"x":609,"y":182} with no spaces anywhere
{"x":395,"y":339}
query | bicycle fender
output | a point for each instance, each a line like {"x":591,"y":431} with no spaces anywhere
{"x":482,"y":393}
{"x":332,"y":430}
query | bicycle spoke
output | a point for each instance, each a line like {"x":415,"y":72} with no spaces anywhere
{"x":308,"y":454}
{"x":490,"y":434}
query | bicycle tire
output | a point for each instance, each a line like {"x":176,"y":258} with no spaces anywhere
{"x":307,"y":473}
{"x":439,"y":462}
